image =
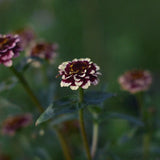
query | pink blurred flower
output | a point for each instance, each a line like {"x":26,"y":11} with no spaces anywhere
{"x":9,"y":48}
{"x":135,"y":80}
{"x":14,"y":123}
{"x":79,"y":73}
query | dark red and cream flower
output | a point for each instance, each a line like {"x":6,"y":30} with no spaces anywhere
{"x":79,"y":73}
{"x":9,"y":48}
{"x":14,"y":123}
{"x":135,"y":81}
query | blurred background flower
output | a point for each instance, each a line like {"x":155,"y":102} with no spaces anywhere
{"x":135,"y":81}
{"x":14,"y":123}
{"x":45,"y":51}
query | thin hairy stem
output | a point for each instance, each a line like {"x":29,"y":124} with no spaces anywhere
{"x":82,"y":126}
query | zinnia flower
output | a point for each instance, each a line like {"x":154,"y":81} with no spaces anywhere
{"x":79,"y":73}
{"x":9,"y":48}
{"x":135,"y":81}
{"x":14,"y":123}
{"x":45,"y":51}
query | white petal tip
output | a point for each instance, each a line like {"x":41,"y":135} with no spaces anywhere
{"x":63,"y":84}
{"x":74,"y":87}
{"x":86,"y":85}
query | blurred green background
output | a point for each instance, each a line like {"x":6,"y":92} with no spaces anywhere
{"x":118,"y":35}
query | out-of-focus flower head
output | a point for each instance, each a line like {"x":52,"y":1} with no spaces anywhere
{"x":27,"y":37}
{"x":135,"y":81}
{"x":46,"y":51}
{"x":14,"y":123}
{"x":9,"y":48}
{"x":79,"y":73}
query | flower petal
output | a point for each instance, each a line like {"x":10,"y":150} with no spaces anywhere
{"x":74,"y":87}
{"x":65,"y":84}
{"x":86,"y":85}
{"x":8,"y":63}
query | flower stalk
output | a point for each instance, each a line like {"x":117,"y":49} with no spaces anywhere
{"x":64,"y":145}
{"x":146,"y":146}
{"x":82,"y":126}
{"x":146,"y":135}
{"x":94,"y":138}
{"x":27,"y":88}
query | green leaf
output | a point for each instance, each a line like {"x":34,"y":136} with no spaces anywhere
{"x":128,"y":136}
{"x":59,"y":107}
{"x":95,"y":109}
{"x":47,"y":95}
{"x":125,"y":117}
{"x":41,"y":154}
{"x":96,"y":97}
{"x":8,"y":84}
{"x":155,"y":149}
{"x":46,"y":115}
{"x":63,"y":118}
{"x":26,"y":62}
{"x":8,"y":109}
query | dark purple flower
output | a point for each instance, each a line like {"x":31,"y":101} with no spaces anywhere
{"x":135,"y":81}
{"x":79,"y":73}
{"x":45,"y":51}
{"x":27,"y":36}
{"x":9,"y":48}
{"x":14,"y":123}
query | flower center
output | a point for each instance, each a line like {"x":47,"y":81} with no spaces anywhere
{"x":137,"y":75}
{"x":78,"y":67}
{"x":38,"y":49}
{"x":3,"y":41}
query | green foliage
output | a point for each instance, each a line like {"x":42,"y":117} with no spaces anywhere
{"x":59,"y":107}
{"x":8,"y":84}
{"x":128,"y":118}
{"x":96,"y":97}
{"x":8,"y":109}
{"x":26,"y":62}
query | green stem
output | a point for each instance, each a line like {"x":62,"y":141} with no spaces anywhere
{"x":139,"y":97}
{"x":27,"y":88}
{"x":146,"y":144}
{"x":81,"y":95}
{"x":64,"y":145}
{"x":82,"y":126}
{"x":94,"y":139}
{"x":146,"y":135}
